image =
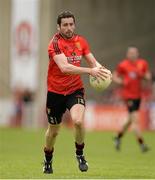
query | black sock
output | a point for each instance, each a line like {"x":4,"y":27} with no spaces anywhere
{"x":79,"y":148}
{"x":120,"y":134}
{"x":140,"y":140}
{"x":48,"y":154}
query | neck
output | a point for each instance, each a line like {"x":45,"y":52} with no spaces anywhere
{"x":132,"y":59}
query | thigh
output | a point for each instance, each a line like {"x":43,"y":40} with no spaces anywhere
{"x":55,"y":107}
{"x":77,"y":113}
{"x":75,"y":98}
{"x":76,"y":105}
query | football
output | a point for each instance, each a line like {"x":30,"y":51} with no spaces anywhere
{"x":100,"y":84}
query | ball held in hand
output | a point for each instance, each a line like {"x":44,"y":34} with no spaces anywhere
{"x":100,"y":84}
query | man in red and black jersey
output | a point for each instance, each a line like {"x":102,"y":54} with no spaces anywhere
{"x":65,"y":87}
{"x":129,"y":74}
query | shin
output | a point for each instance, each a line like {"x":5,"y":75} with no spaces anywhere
{"x":51,"y":135}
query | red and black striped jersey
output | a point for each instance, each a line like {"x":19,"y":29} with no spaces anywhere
{"x":73,"y":48}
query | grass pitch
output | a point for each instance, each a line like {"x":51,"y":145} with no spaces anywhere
{"x":21,"y":156}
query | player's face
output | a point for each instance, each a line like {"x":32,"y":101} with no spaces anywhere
{"x":67,"y":27}
{"x":132,"y":53}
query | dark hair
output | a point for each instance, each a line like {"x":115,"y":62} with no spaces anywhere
{"x":65,"y":14}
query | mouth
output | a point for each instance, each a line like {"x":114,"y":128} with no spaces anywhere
{"x":69,"y":33}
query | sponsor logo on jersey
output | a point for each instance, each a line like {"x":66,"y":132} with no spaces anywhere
{"x":72,"y":59}
{"x":78,"y":45}
{"x":133,"y":75}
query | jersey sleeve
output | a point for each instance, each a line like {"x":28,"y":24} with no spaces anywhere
{"x":54,"y":48}
{"x":143,"y":67}
{"x":86,"y":49}
{"x":120,"y":69}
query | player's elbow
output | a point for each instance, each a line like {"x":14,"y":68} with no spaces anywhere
{"x":64,"y":69}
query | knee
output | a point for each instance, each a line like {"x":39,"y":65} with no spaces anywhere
{"x":78,"y":124}
{"x":129,"y":122}
{"x":51,"y":134}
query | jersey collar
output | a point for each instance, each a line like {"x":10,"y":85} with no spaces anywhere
{"x":70,"y":39}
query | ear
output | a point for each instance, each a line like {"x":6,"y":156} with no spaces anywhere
{"x":58,"y":27}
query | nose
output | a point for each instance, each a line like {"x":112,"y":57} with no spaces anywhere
{"x":69,"y":27}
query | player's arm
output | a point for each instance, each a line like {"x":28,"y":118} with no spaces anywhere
{"x":117,"y":78}
{"x":68,"y":68}
{"x":118,"y":74}
{"x":148,"y":76}
{"x":91,"y":61}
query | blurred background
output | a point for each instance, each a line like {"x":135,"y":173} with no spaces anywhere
{"x":110,"y":26}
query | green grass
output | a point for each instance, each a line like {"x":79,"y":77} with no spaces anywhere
{"x":21,"y":156}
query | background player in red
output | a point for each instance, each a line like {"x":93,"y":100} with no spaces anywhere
{"x":65,"y":87}
{"x":129,"y":74}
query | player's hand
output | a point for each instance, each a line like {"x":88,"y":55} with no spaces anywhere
{"x":121,"y":82}
{"x":147,"y":76}
{"x":100,"y":72}
{"x":117,"y":79}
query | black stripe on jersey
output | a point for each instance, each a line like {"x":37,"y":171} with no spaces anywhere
{"x":55,"y":45}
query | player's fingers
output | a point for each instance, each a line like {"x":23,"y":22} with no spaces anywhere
{"x":104,"y":71}
{"x":105,"y":75}
{"x":102,"y":77}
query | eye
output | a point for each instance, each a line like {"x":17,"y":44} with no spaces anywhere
{"x":66,"y":24}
